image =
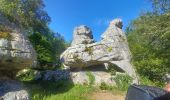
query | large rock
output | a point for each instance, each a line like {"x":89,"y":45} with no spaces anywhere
{"x":16,"y":52}
{"x":12,"y":90}
{"x":82,"y":35}
{"x":84,"y":75}
{"x":111,"y":50}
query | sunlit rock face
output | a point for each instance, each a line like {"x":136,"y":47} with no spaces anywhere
{"x":16,"y":51}
{"x":82,"y":35}
{"x":111,"y":50}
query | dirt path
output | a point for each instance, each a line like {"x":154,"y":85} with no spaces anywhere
{"x":106,"y":95}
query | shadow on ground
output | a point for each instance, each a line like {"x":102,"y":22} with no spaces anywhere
{"x":39,"y":90}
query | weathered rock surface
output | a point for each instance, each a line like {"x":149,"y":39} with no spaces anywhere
{"x":12,"y":90}
{"x":100,"y":74}
{"x":111,"y":50}
{"x":16,"y":52}
{"x":82,"y":35}
{"x":46,"y":75}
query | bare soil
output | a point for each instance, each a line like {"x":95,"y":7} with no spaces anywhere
{"x":106,"y":95}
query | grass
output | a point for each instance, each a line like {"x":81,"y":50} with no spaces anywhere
{"x":91,"y":78}
{"x":123,"y":81}
{"x":63,"y":90}
{"x":113,"y":89}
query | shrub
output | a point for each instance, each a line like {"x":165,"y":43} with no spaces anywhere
{"x":104,"y":86}
{"x":112,"y":69}
{"x":123,"y":81}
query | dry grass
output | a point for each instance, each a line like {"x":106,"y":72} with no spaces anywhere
{"x":107,"y":95}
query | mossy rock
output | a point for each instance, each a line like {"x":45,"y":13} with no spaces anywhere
{"x":5,"y":35}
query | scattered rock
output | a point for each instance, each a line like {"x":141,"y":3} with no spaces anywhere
{"x":12,"y":90}
{"x":47,"y":75}
{"x":56,"y":75}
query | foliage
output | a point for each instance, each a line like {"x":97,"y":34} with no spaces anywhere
{"x":146,"y":81}
{"x":64,"y":90}
{"x":160,"y":6}
{"x":112,"y":69}
{"x":91,"y":78}
{"x":104,"y":86}
{"x":30,"y":15}
{"x":113,"y":89}
{"x":122,"y":81}
{"x":26,"y":75}
{"x":148,"y":38}
{"x":48,"y":49}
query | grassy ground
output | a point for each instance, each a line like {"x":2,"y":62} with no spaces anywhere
{"x":58,"y":91}
{"x":65,"y":90}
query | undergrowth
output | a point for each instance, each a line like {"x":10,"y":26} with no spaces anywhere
{"x":63,"y":90}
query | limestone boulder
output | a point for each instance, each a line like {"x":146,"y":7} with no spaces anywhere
{"x":111,"y":50}
{"x":16,"y":51}
{"x":12,"y":90}
{"x":82,"y":35}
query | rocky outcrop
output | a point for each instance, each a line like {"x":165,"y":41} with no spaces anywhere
{"x":82,"y":35}
{"x":111,"y":50}
{"x":12,"y":90}
{"x":16,"y":52}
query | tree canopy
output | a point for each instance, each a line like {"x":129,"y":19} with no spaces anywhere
{"x":149,"y":41}
{"x":30,"y":15}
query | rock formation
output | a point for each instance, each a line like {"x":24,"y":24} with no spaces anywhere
{"x":111,"y":50}
{"x":16,"y":52}
{"x":12,"y":90}
{"x":82,"y":35}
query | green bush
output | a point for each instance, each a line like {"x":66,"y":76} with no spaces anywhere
{"x":104,"y":86}
{"x":148,"y":38}
{"x":62,"y":90}
{"x":112,"y":69}
{"x":122,"y":81}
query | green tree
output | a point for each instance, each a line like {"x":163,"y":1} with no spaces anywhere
{"x":30,"y":15}
{"x":160,"y":6}
{"x":149,"y":41}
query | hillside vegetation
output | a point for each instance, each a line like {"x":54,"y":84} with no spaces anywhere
{"x":149,"y":41}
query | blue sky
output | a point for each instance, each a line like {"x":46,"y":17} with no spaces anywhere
{"x":67,"y":14}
